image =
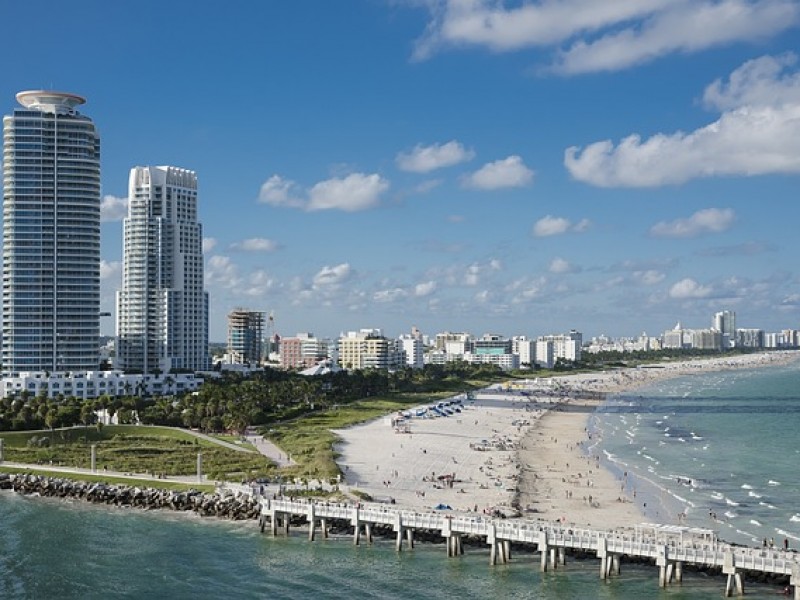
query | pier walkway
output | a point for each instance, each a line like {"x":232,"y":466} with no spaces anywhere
{"x":669,"y":547}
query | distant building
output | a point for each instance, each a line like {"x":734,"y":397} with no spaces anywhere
{"x":303,"y":351}
{"x":93,"y":384}
{"x":750,"y":338}
{"x":545,"y":353}
{"x":245,"y":335}
{"x":525,"y":349}
{"x":707,"y":339}
{"x":677,"y":337}
{"x":725,"y":323}
{"x":565,"y":346}
{"x":413,"y":349}
{"x":369,"y":349}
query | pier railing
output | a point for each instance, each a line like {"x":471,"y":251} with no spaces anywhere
{"x":670,"y":548}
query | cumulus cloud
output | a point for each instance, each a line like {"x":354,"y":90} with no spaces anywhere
{"x":221,"y":270}
{"x":762,"y":81}
{"x":506,"y":173}
{"x":424,"y":159}
{"x":681,"y":27}
{"x":209,"y":243}
{"x":549,"y":225}
{"x":601,"y":36}
{"x":255,"y":245}
{"x":687,"y":289}
{"x":425,"y":288}
{"x":278,"y":191}
{"x":476,"y":271}
{"x":708,"y":220}
{"x":113,"y":208}
{"x":354,"y":192}
{"x":758,"y":133}
{"x":351,"y":193}
{"x":110,"y":269}
{"x":333,"y":276}
{"x":559,"y":265}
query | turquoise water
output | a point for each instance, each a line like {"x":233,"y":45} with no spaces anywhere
{"x":738,"y":455}
{"x":722,"y":448}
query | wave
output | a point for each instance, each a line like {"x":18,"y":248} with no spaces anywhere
{"x":730,"y":514}
{"x":747,"y":486}
{"x":754,"y":495}
{"x":754,"y":522}
{"x":730,"y":502}
{"x":795,"y":519}
{"x":773,"y":483}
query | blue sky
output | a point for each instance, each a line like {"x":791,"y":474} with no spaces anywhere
{"x":464,"y":165}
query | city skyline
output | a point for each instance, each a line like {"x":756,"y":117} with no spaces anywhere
{"x":454,"y":165}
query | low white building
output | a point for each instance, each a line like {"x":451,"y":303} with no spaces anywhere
{"x":93,"y":384}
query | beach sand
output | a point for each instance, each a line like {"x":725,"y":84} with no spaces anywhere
{"x":511,"y":451}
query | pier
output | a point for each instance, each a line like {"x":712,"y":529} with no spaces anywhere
{"x":669,"y":547}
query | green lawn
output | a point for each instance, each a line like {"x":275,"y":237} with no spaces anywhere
{"x":133,"y":449}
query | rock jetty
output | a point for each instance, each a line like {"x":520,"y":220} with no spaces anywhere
{"x":236,"y":507}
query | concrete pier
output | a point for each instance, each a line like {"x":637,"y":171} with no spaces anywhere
{"x":668,"y":546}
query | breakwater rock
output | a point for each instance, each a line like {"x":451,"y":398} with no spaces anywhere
{"x":227,"y":506}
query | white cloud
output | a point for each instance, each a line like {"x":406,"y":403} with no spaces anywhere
{"x":209,"y":244}
{"x":113,"y":208}
{"x":649,"y":277}
{"x":110,"y":269}
{"x":505,"y":173}
{"x":763,"y":81}
{"x":602,"y":36}
{"x":761,"y":136}
{"x":277,"y":191}
{"x":255,"y":245}
{"x":351,"y":193}
{"x":423,"y":159}
{"x":476,"y":271}
{"x":681,"y":27}
{"x":333,"y":276}
{"x":392,"y":295}
{"x":708,"y":220}
{"x":559,"y":265}
{"x":354,"y":192}
{"x":425,"y":288}
{"x":221,"y":270}
{"x":688,"y":288}
{"x":549,"y":225}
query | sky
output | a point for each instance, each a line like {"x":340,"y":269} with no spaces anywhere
{"x":519,"y":168}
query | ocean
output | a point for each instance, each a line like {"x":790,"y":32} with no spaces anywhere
{"x":721,"y":443}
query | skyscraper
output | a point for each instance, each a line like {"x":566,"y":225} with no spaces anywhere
{"x":725,"y":323}
{"x":51,"y":235}
{"x":162,"y":310}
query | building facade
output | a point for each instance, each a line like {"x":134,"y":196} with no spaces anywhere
{"x":162,"y":309}
{"x":369,"y":349}
{"x":51,"y":236}
{"x":245,"y":335}
{"x":725,"y":323}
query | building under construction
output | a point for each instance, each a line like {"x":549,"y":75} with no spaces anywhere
{"x":245,"y":335}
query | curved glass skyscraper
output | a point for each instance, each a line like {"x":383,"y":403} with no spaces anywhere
{"x":51,"y":236}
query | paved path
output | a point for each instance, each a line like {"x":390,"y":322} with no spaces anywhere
{"x":186,"y":479}
{"x":270,"y":450}
{"x":219,"y":442}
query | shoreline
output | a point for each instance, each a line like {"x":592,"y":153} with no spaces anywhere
{"x":535,"y":454}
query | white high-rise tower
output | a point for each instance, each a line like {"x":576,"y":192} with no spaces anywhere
{"x":162,"y":310}
{"x":51,"y":236}
{"x":725,"y":323}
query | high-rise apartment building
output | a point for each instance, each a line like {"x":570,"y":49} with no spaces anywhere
{"x":245,"y":335}
{"x":725,"y":323}
{"x":51,"y":236}
{"x":162,"y":310}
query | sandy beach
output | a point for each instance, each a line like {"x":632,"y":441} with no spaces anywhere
{"x":512,"y":449}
